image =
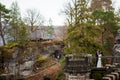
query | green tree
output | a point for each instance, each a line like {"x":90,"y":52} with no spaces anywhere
{"x":4,"y":19}
{"x":107,"y":20}
{"x":50,"y":29}
{"x":13,"y":31}
{"x":82,"y":32}
{"x":23,"y":36}
{"x":18,"y":30}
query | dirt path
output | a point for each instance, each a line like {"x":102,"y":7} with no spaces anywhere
{"x":48,"y":71}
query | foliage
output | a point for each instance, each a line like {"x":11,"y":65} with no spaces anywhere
{"x":41,"y":59}
{"x":60,"y":75}
{"x":5,"y":57}
{"x":82,"y":32}
{"x":97,"y":76}
{"x":107,"y":19}
{"x":43,"y":63}
{"x":39,"y":62}
{"x":6,"y":49}
{"x":4,"y":19}
{"x":50,"y":29}
{"x":5,"y":54}
{"x":13,"y":29}
{"x":17,"y":31}
{"x":108,"y":22}
{"x":23,"y":35}
{"x":11,"y":45}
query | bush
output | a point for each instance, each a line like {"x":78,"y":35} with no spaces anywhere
{"x":40,"y":59}
{"x":97,"y":73}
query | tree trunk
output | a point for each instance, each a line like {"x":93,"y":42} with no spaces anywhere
{"x":102,"y":39}
{"x":2,"y":61}
{"x":1,"y":32}
{"x":3,"y":39}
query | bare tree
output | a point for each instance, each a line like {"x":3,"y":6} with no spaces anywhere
{"x":33,"y":19}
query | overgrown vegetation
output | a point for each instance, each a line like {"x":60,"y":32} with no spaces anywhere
{"x":82,"y":32}
{"x":91,"y":27}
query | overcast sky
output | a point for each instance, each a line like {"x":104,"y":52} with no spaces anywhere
{"x":48,"y":8}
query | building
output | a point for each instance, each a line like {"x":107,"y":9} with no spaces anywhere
{"x":59,"y":33}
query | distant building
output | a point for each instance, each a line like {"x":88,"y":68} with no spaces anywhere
{"x":42,"y":33}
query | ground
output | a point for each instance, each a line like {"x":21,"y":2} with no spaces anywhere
{"x":48,"y":71}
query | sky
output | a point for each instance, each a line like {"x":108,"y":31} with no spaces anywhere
{"x":48,"y":8}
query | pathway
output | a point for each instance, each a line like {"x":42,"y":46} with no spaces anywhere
{"x":48,"y":71}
